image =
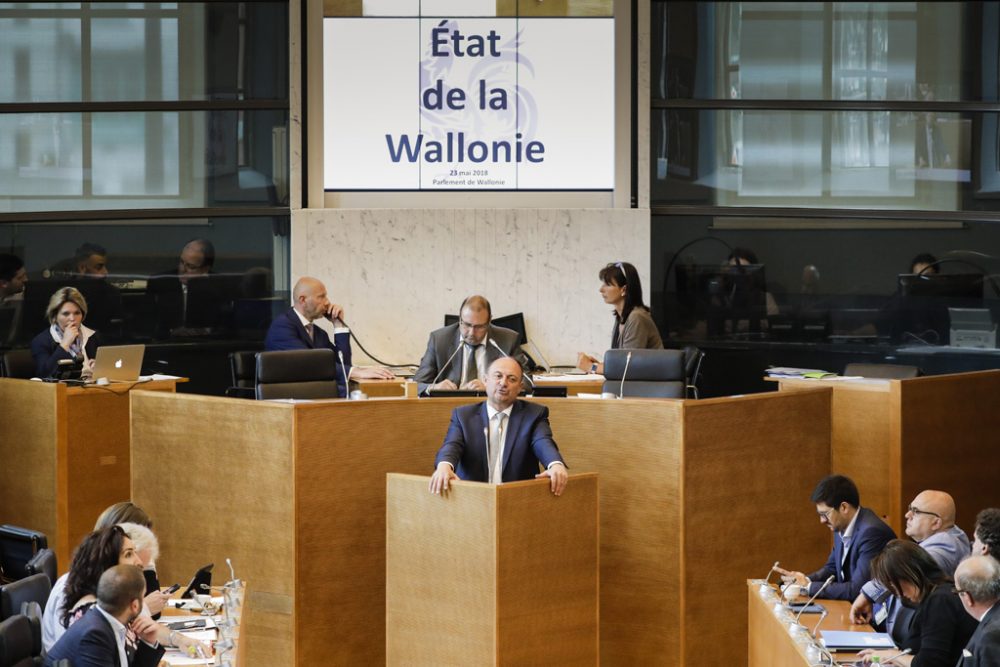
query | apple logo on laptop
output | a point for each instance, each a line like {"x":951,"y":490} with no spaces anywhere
{"x":118,"y":364}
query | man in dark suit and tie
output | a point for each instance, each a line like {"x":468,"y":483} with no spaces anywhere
{"x":295,"y":329}
{"x":977,"y":583}
{"x":98,"y":638}
{"x":458,"y":355}
{"x":501,"y":440}
{"x":858,"y":536}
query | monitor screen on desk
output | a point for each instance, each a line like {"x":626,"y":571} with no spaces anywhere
{"x":923,"y":302}
{"x":723,"y":296}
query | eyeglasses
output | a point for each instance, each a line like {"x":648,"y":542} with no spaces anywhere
{"x":958,"y":591}
{"x":474,"y":327}
{"x":826,"y":513}
{"x":915,"y":512}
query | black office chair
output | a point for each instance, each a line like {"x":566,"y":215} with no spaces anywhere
{"x":650,"y":373}
{"x":44,"y":562}
{"x":16,"y":642}
{"x":882,"y":371}
{"x":35,"y":588}
{"x":243,"y":367}
{"x":17,"y":364}
{"x":17,"y":547}
{"x":301,"y":374}
{"x":33,"y":612}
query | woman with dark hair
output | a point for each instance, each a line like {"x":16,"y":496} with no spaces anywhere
{"x":66,"y":337}
{"x":634,"y":328}
{"x":938,"y":628}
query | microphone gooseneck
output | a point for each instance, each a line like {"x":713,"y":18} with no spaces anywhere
{"x":445,"y":366}
{"x":621,"y":389}
{"x":774,"y":567}
{"x":816,"y":595}
{"x":343,"y":370}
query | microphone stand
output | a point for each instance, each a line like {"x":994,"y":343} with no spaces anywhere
{"x":437,"y":377}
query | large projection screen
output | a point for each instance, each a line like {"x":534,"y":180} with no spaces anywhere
{"x":445,"y":103}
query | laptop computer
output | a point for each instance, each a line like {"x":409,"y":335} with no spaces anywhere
{"x":119,"y":363}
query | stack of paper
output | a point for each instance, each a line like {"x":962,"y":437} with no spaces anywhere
{"x":809,"y":373}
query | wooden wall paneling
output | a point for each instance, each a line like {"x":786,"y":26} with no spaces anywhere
{"x":345,"y":449}
{"x":547,"y":573}
{"x":950,"y":440}
{"x":215,"y":475}
{"x":31,"y":436}
{"x":634,"y":445}
{"x":441,"y":574}
{"x":749,"y":466}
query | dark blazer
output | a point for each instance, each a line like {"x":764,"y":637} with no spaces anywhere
{"x":528,"y":443}
{"x":441,"y":346}
{"x":287,"y":333}
{"x":985,"y":642}
{"x":870,"y":536}
{"x":209,"y":301}
{"x":47,"y":352}
{"x":939,"y":629}
{"x":90,"y":642}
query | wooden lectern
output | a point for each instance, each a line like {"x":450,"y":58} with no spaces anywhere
{"x":491,"y":574}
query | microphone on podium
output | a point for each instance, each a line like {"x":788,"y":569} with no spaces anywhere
{"x":774,"y":567}
{"x":343,"y":370}
{"x":822,"y":616}
{"x":445,"y":366}
{"x":621,"y":389}
{"x":816,"y":595}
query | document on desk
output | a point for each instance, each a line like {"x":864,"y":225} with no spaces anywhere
{"x":565,"y":377}
{"x":845,"y":639}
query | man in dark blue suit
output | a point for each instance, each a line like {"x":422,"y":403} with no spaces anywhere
{"x":858,"y":536}
{"x":977,"y":583}
{"x":501,"y":440}
{"x":295,"y":330}
{"x":98,"y":638}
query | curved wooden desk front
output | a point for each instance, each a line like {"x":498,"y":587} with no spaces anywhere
{"x":696,"y":497}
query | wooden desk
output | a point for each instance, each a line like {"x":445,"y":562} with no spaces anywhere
{"x":396,"y":388}
{"x":695,"y":498}
{"x":769,"y":643}
{"x":64,"y":456}
{"x":237,"y":655}
{"x":896,"y":438}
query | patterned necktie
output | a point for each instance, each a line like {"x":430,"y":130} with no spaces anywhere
{"x":496,"y":437}
{"x":471,"y":370}
{"x":309,"y":330}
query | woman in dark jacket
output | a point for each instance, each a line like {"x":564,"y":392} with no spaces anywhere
{"x":940,"y":627}
{"x":66,"y":337}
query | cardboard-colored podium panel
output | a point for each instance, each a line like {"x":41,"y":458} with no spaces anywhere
{"x":492,"y":574}
{"x":64,"y":456}
{"x":896,"y":438}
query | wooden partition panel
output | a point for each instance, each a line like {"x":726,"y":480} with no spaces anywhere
{"x":31,"y":437}
{"x":949,"y":439}
{"x":216,"y":477}
{"x":750,"y":464}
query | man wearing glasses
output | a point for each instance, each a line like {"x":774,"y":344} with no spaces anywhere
{"x":858,"y":536}
{"x":977,"y":584}
{"x":930,"y":522}
{"x":458,"y":355}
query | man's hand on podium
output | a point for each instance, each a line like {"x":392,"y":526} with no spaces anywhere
{"x":557,"y":475}
{"x":441,"y":478}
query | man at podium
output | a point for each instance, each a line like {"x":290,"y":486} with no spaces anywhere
{"x":501,"y":440}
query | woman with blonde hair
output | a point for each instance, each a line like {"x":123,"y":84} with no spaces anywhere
{"x":66,"y":337}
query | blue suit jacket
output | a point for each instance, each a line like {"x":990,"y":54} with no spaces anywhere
{"x":529,"y":441}
{"x":870,"y":536}
{"x":90,"y":642}
{"x":287,"y":333}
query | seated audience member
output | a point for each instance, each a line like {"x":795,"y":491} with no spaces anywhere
{"x":930,"y":522}
{"x":13,"y":276}
{"x":74,"y":592}
{"x":123,"y":512}
{"x":481,"y":343}
{"x":924,"y":264}
{"x":66,"y":337}
{"x":977,"y":582}
{"x":100,"y":636}
{"x":858,"y":536}
{"x":987,"y":534}
{"x":633,"y":328}
{"x":940,"y":628}
{"x":501,"y":440}
{"x":295,"y":330}
{"x":190,"y":299}
{"x":91,"y":260}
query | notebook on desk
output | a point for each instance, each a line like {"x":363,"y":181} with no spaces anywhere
{"x":855,"y":641}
